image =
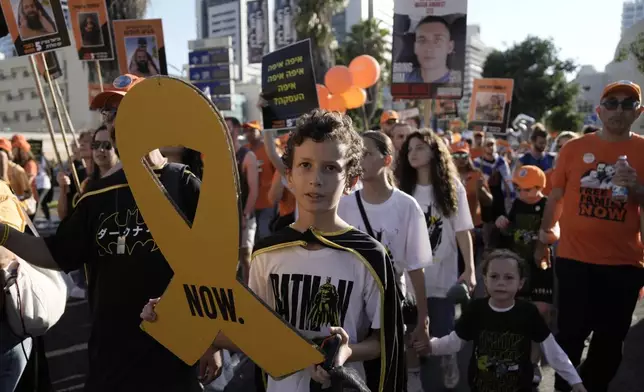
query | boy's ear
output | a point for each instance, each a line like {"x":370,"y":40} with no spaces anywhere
{"x":521,"y":283}
{"x":388,"y":160}
{"x":289,"y":179}
{"x":351,"y":185}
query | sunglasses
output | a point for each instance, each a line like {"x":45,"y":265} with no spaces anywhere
{"x":626,"y":104}
{"x":525,"y":190}
{"x":460,"y":155}
{"x":392,"y":121}
{"x":104,"y":145}
{"x":491,"y":144}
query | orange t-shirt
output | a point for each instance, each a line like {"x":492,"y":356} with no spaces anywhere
{"x":286,"y":204}
{"x":471,"y":188}
{"x":266,"y":170}
{"x":548,"y":188}
{"x":594,"y":228}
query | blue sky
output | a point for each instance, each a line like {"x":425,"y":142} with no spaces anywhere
{"x":586,"y":31}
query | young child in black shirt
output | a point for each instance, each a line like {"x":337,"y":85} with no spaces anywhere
{"x":503,"y":329}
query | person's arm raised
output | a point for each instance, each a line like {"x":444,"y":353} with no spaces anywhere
{"x":252,"y":176}
{"x":271,"y":151}
{"x":30,"y":248}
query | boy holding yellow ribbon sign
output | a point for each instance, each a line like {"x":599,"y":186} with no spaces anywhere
{"x":321,"y":275}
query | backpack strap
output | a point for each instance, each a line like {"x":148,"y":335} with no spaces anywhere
{"x":363,"y":213}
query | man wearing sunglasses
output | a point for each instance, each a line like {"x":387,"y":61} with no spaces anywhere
{"x":107,"y":232}
{"x":388,"y":119}
{"x":600,"y":262}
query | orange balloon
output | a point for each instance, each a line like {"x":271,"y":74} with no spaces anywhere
{"x":338,"y":79}
{"x":365,"y":70}
{"x":337,"y":103}
{"x":323,"y":96}
{"x":355,"y":97}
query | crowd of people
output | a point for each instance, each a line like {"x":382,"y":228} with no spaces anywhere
{"x":375,"y":236}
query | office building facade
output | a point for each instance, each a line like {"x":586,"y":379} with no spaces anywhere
{"x":632,"y":12}
{"x":476,"y":53}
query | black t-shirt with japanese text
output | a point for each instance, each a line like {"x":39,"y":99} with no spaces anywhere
{"x":122,"y":357}
{"x":502,"y":344}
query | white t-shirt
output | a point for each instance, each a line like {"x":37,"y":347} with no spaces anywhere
{"x":295,"y":282}
{"x":399,"y":225}
{"x":443,"y":273}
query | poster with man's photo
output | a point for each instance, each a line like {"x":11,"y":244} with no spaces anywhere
{"x":258,"y":42}
{"x":35,"y":26}
{"x":429,"y":40}
{"x":140,"y":48}
{"x":285,"y":33}
{"x":92,"y":32}
{"x":490,"y":104}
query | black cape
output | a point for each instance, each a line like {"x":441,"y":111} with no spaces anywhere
{"x":387,"y":373}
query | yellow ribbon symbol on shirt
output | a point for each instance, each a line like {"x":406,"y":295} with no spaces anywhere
{"x":204,"y":296}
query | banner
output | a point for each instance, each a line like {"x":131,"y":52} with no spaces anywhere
{"x":446,"y":109}
{"x":490,"y":104}
{"x":288,"y":84}
{"x":429,"y":42}
{"x":36,"y":148}
{"x":92,"y":32}
{"x":285,"y":33}
{"x":140,"y":48}
{"x":258,"y":44}
{"x":53,"y":66}
{"x":35,"y":26}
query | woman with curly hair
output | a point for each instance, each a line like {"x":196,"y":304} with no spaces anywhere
{"x":426,"y":171}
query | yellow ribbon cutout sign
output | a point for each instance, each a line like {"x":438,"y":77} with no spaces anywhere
{"x":204,"y":296}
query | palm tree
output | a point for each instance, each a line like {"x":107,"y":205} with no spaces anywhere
{"x":118,"y":9}
{"x":313,"y":20}
{"x":368,"y":37}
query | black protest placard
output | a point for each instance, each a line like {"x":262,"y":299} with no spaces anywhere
{"x":288,"y":85}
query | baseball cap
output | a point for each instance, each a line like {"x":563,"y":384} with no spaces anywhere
{"x":122,"y":85}
{"x":461,"y":146}
{"x":625,"y":86}
{"x":389,"y":115}
{"x":5,"y":145}
{"x":529,"y":177}
{"x":253,"y":125}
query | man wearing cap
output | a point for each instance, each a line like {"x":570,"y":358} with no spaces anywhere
{"x":388,"y":119}
{"x":264,"y":209}
{"x":600,"y":261}
{"x":107,"y":232}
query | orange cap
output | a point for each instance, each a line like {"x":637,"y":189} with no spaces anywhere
{"x":625,"y":86}
{"x":389,"y":115}
{"x":461,"y":146}
{"x":19,"y":142}
{"x":253,"y":125}
{"x":122,"y":85}
{"x":5,"y":145}
{"x":529,"y":177}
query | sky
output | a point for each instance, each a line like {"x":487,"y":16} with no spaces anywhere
{"x":586,"y":31}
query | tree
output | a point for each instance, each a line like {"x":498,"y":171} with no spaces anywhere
{"x":367,"y":37}
{"x":564,"y":119}
{"x":313,"y":20}
{"x":118,"y":9}
{"x":539,"y":77}
{"x":635,"y":49}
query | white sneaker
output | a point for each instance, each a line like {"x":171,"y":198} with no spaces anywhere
{"x":413,"y":381}
{"x":451,"y":374}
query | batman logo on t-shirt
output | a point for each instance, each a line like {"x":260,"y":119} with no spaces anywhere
{"x":128,"y":224}
{"x":434,"y":228}
{"x":324,"y":310}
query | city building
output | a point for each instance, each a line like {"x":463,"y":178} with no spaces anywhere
{"x":476,"y":53}
{"x":20,"y":106}
{"x":358,"y":10}
{"x":591,"y":83}
{"x":632,"y":12}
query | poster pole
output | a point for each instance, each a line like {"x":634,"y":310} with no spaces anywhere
{"x":427,"y":113}
{"x":68,"y":119}
{"x":41,"y":94}
{"x":60,"y":121}
{"x":365,"y":118}
{"x":97,"y":64}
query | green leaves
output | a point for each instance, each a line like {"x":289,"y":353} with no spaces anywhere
{"x":635,"y":49}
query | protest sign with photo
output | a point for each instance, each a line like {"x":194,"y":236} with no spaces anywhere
{"x":53,"y":66}
{"x":92,"y":32}
{"x":490,"y":104}
{"x":288,"y":85}
{"x":35,"y":26}
{"x":446,"y":109}
{"x":258,"y":43}
{"x":140,"y":47}
{"x":285,"y":33}
{"x":429,"y":40}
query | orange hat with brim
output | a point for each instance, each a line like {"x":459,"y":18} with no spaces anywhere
{"x":122,"y":85}
{"x":252,"y":125}
{"x":461,"y":146}
{"x":389,"y":115}
{"x":5,"y":145}
{"x":529,"y":177}
{"x":19,"y":142}
{"x":623,"y":86}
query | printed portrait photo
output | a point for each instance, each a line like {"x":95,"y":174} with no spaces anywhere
{"x":143,"y":55}
{"x":34,"y":19}
{"x":489,"y":107}
{"x":90,"y":29}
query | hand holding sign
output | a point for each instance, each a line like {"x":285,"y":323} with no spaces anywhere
{"x":204,"y":296}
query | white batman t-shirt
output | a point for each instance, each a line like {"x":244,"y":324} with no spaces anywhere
{"x":314,"y":290}
{"x":398,"y":224}
{"x":443,"y":273}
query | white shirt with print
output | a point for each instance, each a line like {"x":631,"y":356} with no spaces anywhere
{"x":296,"y":282}
{"x":399,"y":225}
{"x":443,"y":273}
